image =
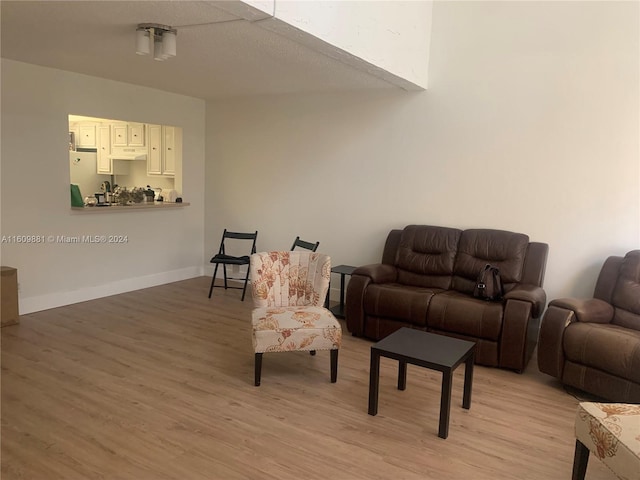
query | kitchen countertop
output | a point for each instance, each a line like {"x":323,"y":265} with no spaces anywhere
{"x":129,"y":208}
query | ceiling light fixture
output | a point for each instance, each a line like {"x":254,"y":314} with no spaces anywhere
{"x":161,"y":39}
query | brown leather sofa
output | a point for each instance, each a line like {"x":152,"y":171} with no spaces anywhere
{"x":594,"y":344}
{"x":426,"y":281}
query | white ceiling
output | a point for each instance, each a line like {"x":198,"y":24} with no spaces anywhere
{"x":218,"y":60}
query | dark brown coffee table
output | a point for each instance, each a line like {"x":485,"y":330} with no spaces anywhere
{"x":428,"y":350}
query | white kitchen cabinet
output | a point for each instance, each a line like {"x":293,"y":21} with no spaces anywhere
{"x":169,"y":150}
{"x":119,"y":135}
{"x":163,"y":150}
{"x":128,"y":135}
{"x":86,"y":136}
{"x":104,"y":162}
{"x":76,"y":133}
{"x":135,"y":135}
{"x":154,"y":160}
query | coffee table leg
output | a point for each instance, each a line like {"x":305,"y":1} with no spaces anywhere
{"x":468,"y":382}
{"x":374,"y":379}
{"x":445,"y":404}
{"x":402,"y":375}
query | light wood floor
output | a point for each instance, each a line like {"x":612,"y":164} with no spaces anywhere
{"x":158,"y":384}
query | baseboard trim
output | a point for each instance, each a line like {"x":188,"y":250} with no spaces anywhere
{"x":60,"y":299}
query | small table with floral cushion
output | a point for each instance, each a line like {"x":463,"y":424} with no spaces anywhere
{"x":612,"y":432}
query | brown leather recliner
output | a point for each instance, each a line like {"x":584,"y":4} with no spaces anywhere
{"x":594,"y":344}
{"x":426,"y":281}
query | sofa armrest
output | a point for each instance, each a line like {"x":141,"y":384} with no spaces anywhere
{"x":354,"y":304}
{"x":550,"y":351}
{"x":529,"y":293}
{"x":361,"y":278}
{"x":561,"y":313}
{"x":378,"y":272}
{"x":519,"y":334}
{"x":591,"y":310}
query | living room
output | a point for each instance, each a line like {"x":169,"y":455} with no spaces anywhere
{"x":530,"y":123}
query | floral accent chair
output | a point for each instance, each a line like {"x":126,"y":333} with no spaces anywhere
{"x":612,"y":432}
{"x":288,"y":291}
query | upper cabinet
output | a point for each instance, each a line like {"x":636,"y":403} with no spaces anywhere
{"x":154,"y":160}
{"x":85,"y":135}
{"x":169,"y":150}
{"x":164,"y":150}
{"x":128,"y":135}
{"x":104,"y":163}
{"x":119,"y":135}
{"x":136,"y":134}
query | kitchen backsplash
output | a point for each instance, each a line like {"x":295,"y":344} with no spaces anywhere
{"x":138,"y":177}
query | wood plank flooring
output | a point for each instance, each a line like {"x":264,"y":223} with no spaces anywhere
{"x":158,"y":384}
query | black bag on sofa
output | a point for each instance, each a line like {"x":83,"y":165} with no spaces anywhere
{"x":489,"y":284}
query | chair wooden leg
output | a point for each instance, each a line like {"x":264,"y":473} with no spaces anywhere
{"x":580,"y":460}
{"x":215,"y":272}
{"x":258,"y":368}
{"x":334,"y":365}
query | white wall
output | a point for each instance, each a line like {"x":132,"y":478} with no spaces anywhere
{"x":393,"y":35}
{"x":162,"y":246}
{"x":388,"y":39}
{"x":531,"y":124}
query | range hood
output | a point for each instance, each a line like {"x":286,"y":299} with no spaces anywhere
{"x":129,"y":153}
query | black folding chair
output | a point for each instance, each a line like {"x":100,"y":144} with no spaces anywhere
{"x":307,"y":245}
{"x":221,"y":258}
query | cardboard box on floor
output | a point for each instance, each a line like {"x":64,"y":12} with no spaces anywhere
{"x":9,"y":296}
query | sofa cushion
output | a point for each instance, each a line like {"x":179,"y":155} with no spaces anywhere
{"x":609,"y":348}
{"x":455,"y":312}
{"x":393,"y":300}
{"x":426,"y":255}
{"x":478,"y":247}
{"x":626,"y":294}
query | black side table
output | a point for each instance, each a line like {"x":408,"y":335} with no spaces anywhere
{"x":428,"y":350}
{"x":343,"y":270}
